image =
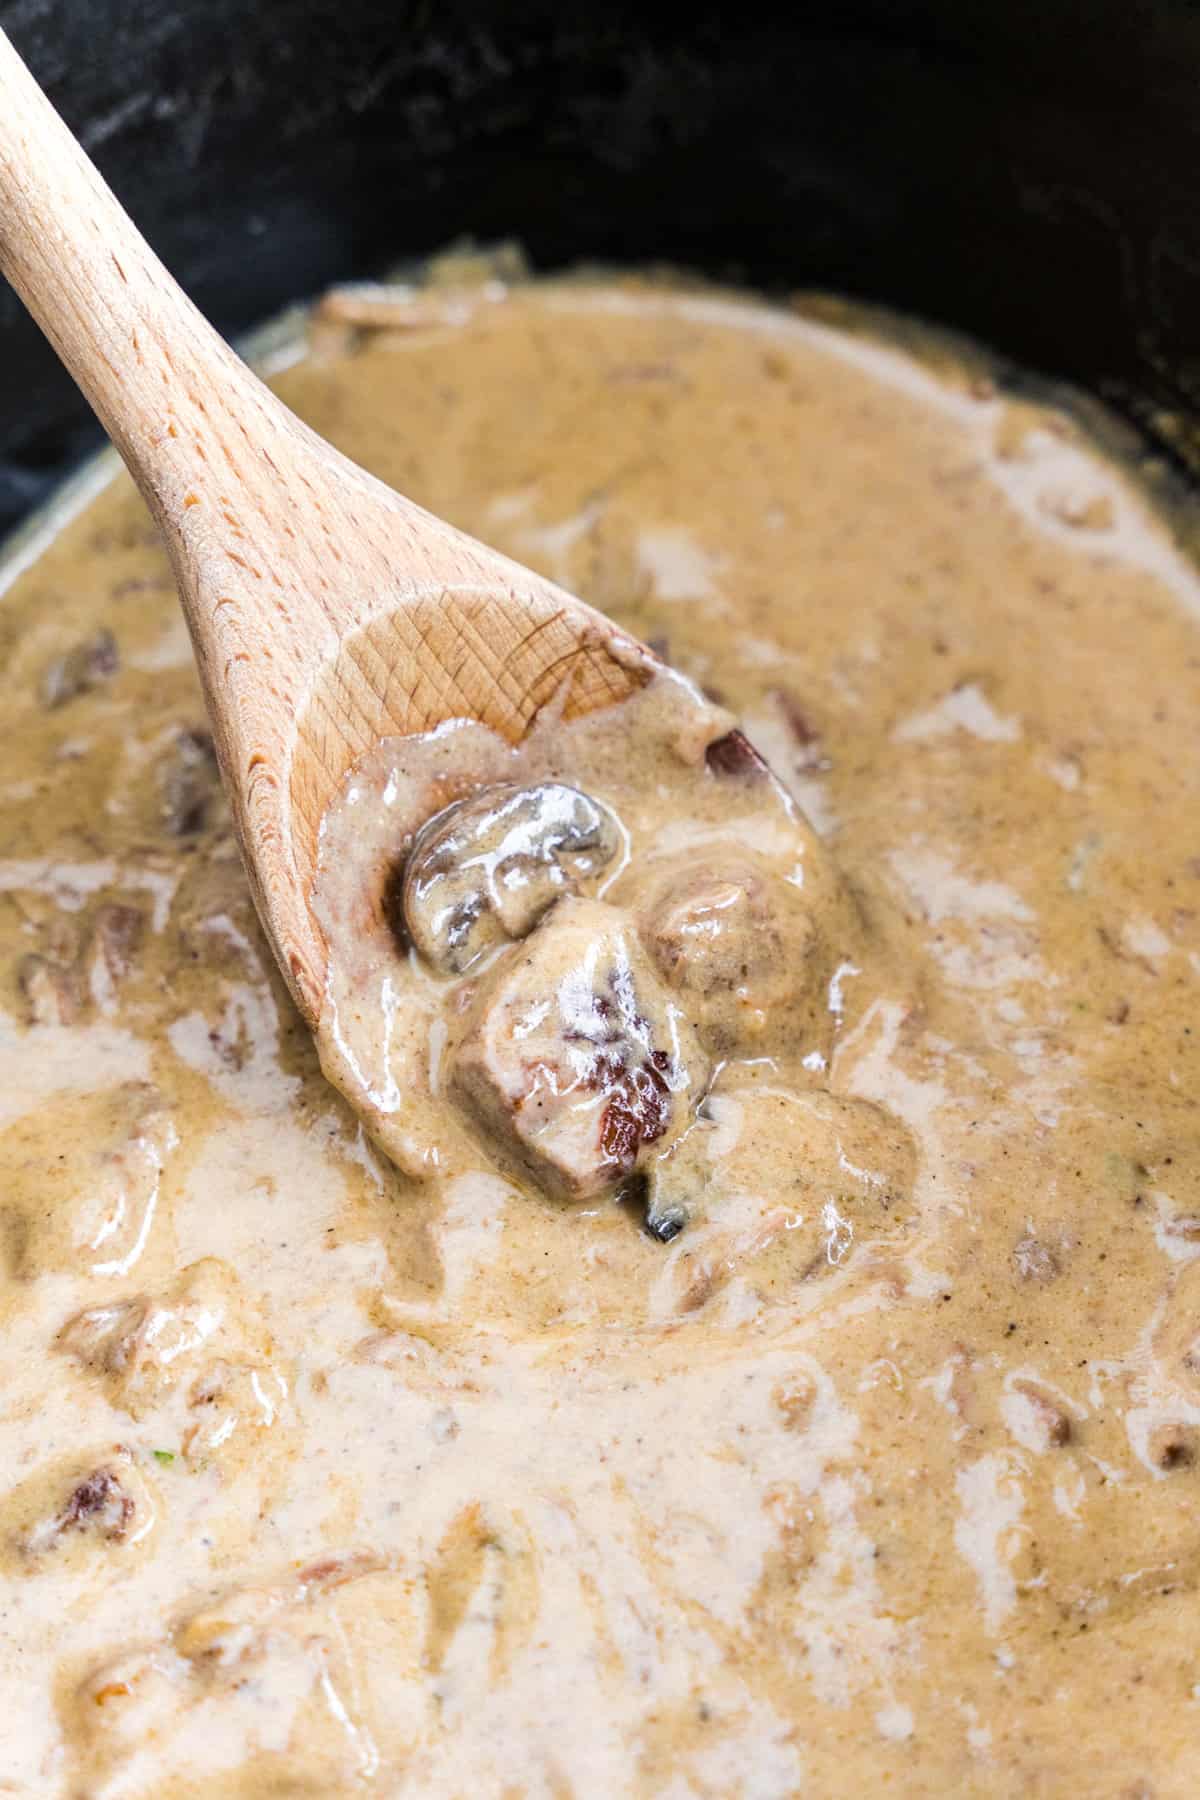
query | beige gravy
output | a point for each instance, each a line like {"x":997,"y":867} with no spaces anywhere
{"x":879,"y":1471}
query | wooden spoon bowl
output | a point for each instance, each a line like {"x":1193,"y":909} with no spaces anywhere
{"x":447,"y":652}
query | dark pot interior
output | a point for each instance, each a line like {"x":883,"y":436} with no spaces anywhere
{"x":1027,"y":174}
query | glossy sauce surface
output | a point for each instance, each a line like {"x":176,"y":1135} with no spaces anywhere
{"x":325,"y":1478}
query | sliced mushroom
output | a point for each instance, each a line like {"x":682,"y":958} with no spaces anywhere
{"x":483,"y":871}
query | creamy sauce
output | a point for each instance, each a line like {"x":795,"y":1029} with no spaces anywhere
{"x":326,"y":1477}
{"x":578,"y":973}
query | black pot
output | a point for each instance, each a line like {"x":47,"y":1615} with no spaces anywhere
{"x":1025,"y":173}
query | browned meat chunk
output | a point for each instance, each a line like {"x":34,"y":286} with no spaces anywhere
{"x":98,"y":1504}
{"x":735,"y":756}
{"x":483,"y":872}
{"x":146,"y":1346}
{"x":741,"y":947}
{"x":196,"y":1360}
{"x":84,"y":1178}
{"x":82,"y":1506}
{"x":82,"y":668}
{"x":301,"y":1636}
{"x":58,"y":987}
{"x":574,"y":1058}
{"x":227,"y":1398}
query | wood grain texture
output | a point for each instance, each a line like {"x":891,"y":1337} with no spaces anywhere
{"x":326,"y":611}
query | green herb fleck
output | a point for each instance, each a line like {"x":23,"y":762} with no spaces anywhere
{"x":164,"y":1457}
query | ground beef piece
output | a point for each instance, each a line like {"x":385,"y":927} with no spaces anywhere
{"x":483,"y":872}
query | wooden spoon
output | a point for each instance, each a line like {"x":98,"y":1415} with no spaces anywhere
{"x":326,"y":611}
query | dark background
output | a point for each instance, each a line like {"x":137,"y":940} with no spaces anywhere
{"x":1027,"y":173}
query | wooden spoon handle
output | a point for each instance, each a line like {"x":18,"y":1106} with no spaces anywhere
{"x":326,"y":611}
{"x":156,"y":373}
